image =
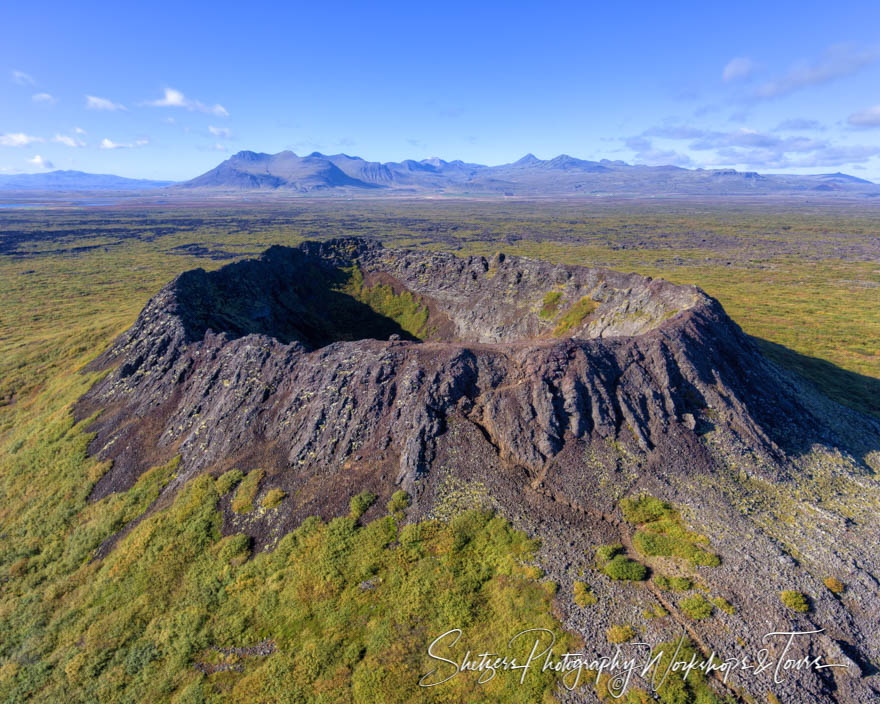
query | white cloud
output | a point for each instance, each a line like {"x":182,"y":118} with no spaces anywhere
{"x":738,"y":68}
{"x":220,"y":147}
{"x":18,"y":139}
{"x":222,"y":132}
{"x":647,"y":154}
{"x":79,"y":130}
{"x":751,"y":148}
{"x":825,"y":156}
{"x":95,"y":103}
{"x":175,"y":99}
{"x":748,"y":138}
{"x":869,"y":117}
{"x":838,"y":61}
{"x":41,"y":163}
{"x":22,"y":78}
{"x":109,"y":144}
{"x":68,"y":141}
{"x":44,"y":98}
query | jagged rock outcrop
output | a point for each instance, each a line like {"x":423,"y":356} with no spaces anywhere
{"x":548,"y":391}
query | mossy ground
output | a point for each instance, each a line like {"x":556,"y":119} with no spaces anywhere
{"x":661,"y":532}
{"x":575,"y":316}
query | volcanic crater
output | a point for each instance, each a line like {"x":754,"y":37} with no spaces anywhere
{"x":544,"y":391}
{"x":339,"y":350}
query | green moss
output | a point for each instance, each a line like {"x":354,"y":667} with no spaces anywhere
{"x":678,"y":688}
{"x":583,"y":595}
{"x":233,"y":548}
{"x":621,"y":567}
{"x":620,"y":634}
{"x":227,"y":481}
{"x":273,"y":498}
{"x":724,"y":605}
{"x":656,"y":611}
{"x":696,"y":607}
{"x":550,"y":305}
{"x":677,"y":584}
{"x":658,"y":544}
{"x":243,"y":501}
{"x":604,"y":553}
{"x":399,"y":502}
{"x":795,"y":601}
{"x":645,"y":508}
{"x":359,"y":504}
{"x":339,"y":601}
{"x":662,"y":532}
{"x":405,"y":308}
{"x":834,"y":585}
{"x":575,"y":316}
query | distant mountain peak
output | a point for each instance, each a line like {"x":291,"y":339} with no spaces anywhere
{"x":527,"y":160}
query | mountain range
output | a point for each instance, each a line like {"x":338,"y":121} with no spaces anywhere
{"x":529,"y":176}
{"x":562,"y":176}
{"x":75,"y":181}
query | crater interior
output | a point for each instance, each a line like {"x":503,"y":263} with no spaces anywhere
{"x":345,"y":290}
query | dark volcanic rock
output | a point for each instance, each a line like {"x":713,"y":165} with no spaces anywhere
{"x":547,"y":392}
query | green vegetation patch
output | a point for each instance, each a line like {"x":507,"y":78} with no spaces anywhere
{"x":229,"y":480}
{"x":696,"y":607}
{"x":273,"y":498}
{"x":359,"y":504}
{"x":406,"y":309}
{"x":834,"y":585}
{"x":243,"y":501}
{"x":611,"y":560}
{"x":575,"y":316}
{"x":550,"y":305}
{"x":583,"y":595}
{"x":724,"y":605}
{"x":662,"y":533}
{"x":620,"y":634}
{"x":398,"y":503}
{"x":646,"y":509}
{"x":674,"y":584}
{"x":656,"y":611}
{"x":794,"y":600}
{"x":676,"y":688}
{"x":340,"y":605}
{"x":604,"y":553}
{"x":622,"y":567}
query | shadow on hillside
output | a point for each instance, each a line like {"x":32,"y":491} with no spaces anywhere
{"x":859,"y":392}
{"x":285,"y":295}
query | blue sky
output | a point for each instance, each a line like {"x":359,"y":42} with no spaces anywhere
{"x":167,"y":90}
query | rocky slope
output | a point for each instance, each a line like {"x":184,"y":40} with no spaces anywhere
{"x":546,"y":392}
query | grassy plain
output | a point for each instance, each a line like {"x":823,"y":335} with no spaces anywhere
{"x":803,"y":278}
